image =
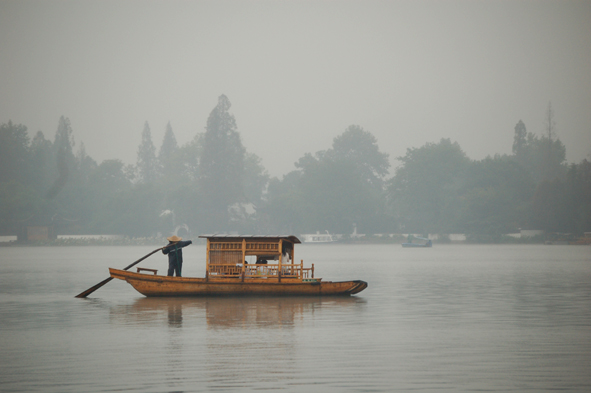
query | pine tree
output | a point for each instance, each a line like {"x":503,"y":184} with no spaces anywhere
{"x":553,"y":161}
{"x":168,"y":155}
{"x":520,"y":138}
{"x":64,"y":140}
{"x":42,"y":163}
{"x":63,"y":152}
{"x":222,"y":164}
{"x":147,"y":165}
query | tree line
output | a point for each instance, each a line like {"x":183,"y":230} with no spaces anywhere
{"x":214,"y":185}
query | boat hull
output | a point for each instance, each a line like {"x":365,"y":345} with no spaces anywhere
{"x":154,"y":285}
{"x":415,"y":245}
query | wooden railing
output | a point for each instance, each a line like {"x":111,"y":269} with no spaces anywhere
{"x":225,"y":270}
{"x":262,"y":271}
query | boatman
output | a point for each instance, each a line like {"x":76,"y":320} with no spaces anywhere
{"x":174,"y":249}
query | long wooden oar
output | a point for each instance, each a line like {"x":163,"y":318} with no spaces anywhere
{"x":100,"y":284}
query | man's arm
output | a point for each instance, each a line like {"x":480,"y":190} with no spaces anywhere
{"x":184,"y":243}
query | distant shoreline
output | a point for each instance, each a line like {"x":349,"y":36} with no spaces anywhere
{"x":98,"y":240}
{"x":88,"y":241}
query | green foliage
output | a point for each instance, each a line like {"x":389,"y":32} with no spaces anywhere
{"x":108,"y":178}
{"x":542,"y":157}
{"x":14,"y":153}
{"x":283,"y":211}
{"x":221,"y":166}
{"x":494,"y":197}
{"x":360,"y":147}
{"x":334,"y":189}
{"x":147,"y":164}
{"x":424,"y":191}
{"x":43,"y":168}
{"x":132,"y":211}
{"x":64,"y":156}
{"x":188,"y":156}
{"x":64,"y":140}
{"x":578,"y":187}
{"x":550,"y":206}
{"x":212,"y":184}
{"x":520,"y":139}
{"x":18,"y":203}
{"x":256,"y":178}
{"x":336,"y":196}
{"x":564,"y":205}
{"x":168,"y":155}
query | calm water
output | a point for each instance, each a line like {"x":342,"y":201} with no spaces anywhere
{"x":447,"y":319}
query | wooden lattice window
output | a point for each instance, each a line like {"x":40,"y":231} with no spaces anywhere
{"x":262,"y":246}
{"x":225,"y":257}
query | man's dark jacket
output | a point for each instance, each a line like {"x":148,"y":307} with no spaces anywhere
{"x":175,"y":256}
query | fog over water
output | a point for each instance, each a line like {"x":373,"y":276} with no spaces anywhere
{"x":298,"y":73}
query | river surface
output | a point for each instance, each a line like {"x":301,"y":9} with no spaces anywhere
{"x":452,"y":318}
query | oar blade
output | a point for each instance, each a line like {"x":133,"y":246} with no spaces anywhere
{"x":97,"y":286}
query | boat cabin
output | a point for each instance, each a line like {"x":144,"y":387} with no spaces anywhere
{"x":249,"y":257}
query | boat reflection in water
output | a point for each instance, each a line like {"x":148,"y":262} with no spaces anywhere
{"x":204,"y":341}
{"x":227,"y":312}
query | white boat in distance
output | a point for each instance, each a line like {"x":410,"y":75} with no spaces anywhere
{"x":318,"y":237}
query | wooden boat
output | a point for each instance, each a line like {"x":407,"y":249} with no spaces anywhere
{"x":227,"y":273}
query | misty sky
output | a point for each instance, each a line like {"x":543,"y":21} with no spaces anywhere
{"x":299,"y":72}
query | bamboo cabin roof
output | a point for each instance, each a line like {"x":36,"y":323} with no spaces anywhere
{"x":254,"y":238}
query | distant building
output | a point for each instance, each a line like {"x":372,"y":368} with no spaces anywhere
{"x":36,"y":233}
{"x":457,"y":237}
{"x":531,"y":232}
